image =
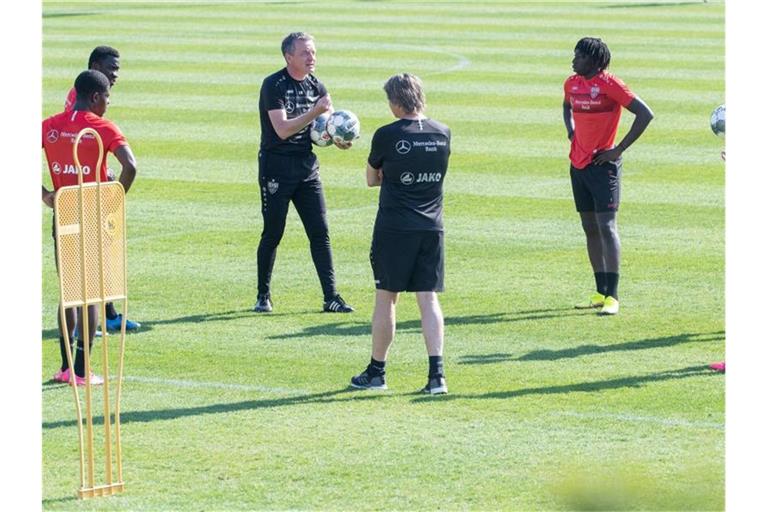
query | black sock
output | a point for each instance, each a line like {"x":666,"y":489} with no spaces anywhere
{"x":80,"y":358}
{"x":612,"y":284}
{"x":376,"y":367}
{"x":111,"y":312}
{"x":63,"y":349}
{"x":601,"y":282}
{"x":436,"y":366}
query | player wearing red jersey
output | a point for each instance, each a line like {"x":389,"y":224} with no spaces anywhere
{"x":591,"y":112}
{"x":58,"y":136}
{"x":107,"y":60}
{"x":103,"y":58}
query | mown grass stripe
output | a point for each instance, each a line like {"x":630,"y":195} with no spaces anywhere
{"x":517,"y":353}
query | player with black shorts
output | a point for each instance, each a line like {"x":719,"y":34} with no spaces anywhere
{"x":591,"y":112}
{"x":409,"y":160}
{"x":288,"y":169}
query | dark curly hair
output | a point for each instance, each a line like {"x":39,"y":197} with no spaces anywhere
{"x":596,"y":50}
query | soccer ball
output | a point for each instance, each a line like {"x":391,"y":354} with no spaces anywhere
{"x":318,"y":133}
{"x":343,"y":126}
{"x":717,"y":121}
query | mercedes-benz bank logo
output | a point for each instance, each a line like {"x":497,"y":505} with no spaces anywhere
{"x":403,"y":146}
{"x":289,"y":106}
{"x":407,"y":177}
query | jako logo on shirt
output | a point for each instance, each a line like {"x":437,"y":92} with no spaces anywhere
{"x":402,"y":147}
{"x":68,"y":169}
{"x":406,"y":178}
{"x":53,"y":135}
{"x":429,"y":177}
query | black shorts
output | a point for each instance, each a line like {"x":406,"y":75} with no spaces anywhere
{"x":597,"y":188}
{"x":411,"y":261}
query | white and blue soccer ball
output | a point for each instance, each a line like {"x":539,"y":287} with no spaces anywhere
{"x":717,"y":121}
{"x":318,"y":133}
{"x":343,"y":126}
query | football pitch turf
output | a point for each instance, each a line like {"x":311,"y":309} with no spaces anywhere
{"x":549,"y":407}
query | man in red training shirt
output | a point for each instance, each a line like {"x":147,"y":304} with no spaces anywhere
{"x":107,"y":60}
{"x":591,"y":112}
{"x":58,"y":137}
{"x":103,"y":58}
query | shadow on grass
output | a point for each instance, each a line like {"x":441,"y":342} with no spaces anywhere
{"x":182,"y":412}
{"x":364,"y":328}
{"x":148,"y":325}
{"x":53,"y":334}
{"x":585,"y":350}
{"x":652,"y":4}
{"x":496,"y":357}
{"x":51,"y":385}
{"x":349,"y":395}
{"x":59,"y":500}
{"x":67,"y":14}
{"x":337,"y":328}
{"x":199,"y":318}
{"x":636,"y":381}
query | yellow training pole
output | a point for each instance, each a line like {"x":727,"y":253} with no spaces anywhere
{"x":84,"y":280}
{"x":83,"y":222}
{"x":71,"y":365}
{"x":118,"y":394}
{"x":103,"y":313}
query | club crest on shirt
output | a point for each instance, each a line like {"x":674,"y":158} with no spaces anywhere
{"x":594,"y":92}
{"x":272,"y":186}
{"x":52,"y":136}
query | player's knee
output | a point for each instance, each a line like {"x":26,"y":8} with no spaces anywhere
{"x":270,"y":238}
{"x":590,"y":228}
{"x":428,"y":302}
{"x":319,"y":235}
{"x":608,"y":229}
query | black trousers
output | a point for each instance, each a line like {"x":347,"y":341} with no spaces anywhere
{"x":285,"y":179}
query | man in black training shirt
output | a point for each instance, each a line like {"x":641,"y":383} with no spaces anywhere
{"x":288,"y":170}
{"x":409,"y":159}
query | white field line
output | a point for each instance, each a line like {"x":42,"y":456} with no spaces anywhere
{"x":462,"y":60}
{"x":670,"y":422}
{"x":211,"y":385}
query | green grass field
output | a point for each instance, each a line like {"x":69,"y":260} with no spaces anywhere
{"x":549,"y":407}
